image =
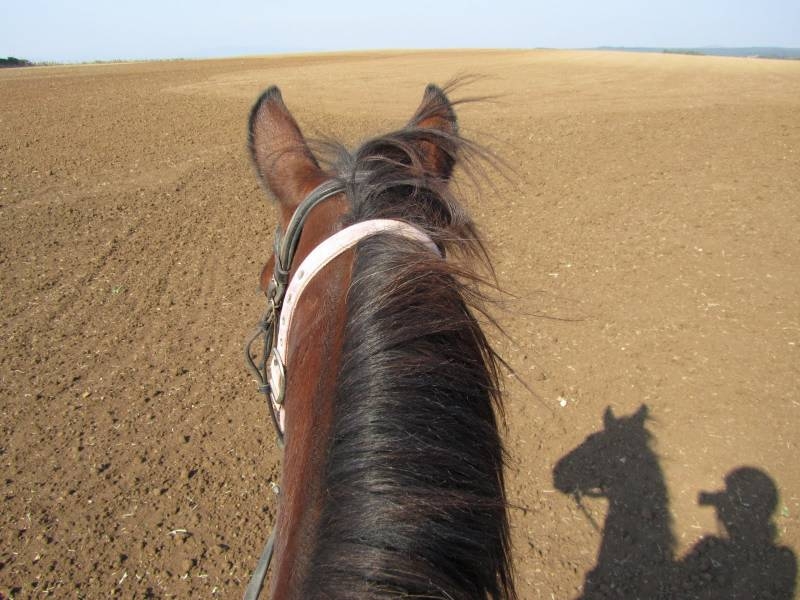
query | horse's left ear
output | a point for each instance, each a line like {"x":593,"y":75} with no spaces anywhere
{"x":436,"y":117}
{"x":281,"y":156}
{"x":641,"y":414}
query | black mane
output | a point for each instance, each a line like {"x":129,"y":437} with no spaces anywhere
{"x":415,"y":503}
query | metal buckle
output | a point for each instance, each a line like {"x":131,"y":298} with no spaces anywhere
{"x":272,"y":288}
{"x":276,"y":376}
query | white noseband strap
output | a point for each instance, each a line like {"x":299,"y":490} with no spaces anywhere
{"x":313,"y":264}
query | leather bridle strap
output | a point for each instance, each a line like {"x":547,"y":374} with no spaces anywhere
{"x":285,"y":248}
{"x":286,"y":245}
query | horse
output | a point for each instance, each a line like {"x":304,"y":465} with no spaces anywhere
{"x":383,"y":387}
{"x":636,"y":555}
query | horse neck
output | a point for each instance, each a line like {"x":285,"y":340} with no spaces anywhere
{"x":414,"y":502}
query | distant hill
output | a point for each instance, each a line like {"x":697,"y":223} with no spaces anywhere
{"x":754,"y":51}
{"x":14,"y":62}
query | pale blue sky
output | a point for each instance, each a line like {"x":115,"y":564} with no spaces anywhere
{"x":63,"y":30}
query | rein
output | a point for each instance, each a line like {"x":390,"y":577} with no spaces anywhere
{"x":282,"y":297}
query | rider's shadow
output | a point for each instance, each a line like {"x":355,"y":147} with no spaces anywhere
{"x":745,"y":562}
{"x":636,"y":559}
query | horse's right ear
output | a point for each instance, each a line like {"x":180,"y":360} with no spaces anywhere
{"x":281,"y":157}
{"x":436,"y":115}
{"x":642,"y":413}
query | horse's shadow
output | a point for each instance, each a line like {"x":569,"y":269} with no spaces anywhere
{"x":636,"y":559}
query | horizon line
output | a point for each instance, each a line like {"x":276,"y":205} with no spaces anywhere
{"x":289,"y":53}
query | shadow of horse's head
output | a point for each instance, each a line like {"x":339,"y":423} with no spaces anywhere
{"x":606,"y":459}
{"x":636,"y":551}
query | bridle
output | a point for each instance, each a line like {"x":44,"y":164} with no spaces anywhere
{"x":270,"y":373}
{"x":282,"y":297}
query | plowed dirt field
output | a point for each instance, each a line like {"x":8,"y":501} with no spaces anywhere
{"x":649,"y":233}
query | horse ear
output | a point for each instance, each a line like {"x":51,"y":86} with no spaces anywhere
{"x":609,"y":420}
{"x":641,"y":414}
{"x":436,"y":115}
{"x":281,"y":157}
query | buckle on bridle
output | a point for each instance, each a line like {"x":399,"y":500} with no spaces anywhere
{"x":274,"y":369}
{"x":276,"y":377}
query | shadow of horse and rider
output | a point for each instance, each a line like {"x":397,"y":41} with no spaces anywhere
{"x":636,"y":559}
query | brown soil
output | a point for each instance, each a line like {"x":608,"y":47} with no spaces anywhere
{"x":649,"y":234}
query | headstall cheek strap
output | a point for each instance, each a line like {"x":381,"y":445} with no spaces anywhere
{"x":285,"y":248}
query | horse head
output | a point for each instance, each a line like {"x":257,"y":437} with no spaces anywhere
{"x":604,"y":460}
{"x":636,"y":553}
{"x":392,"y":478}
{"x":288,"y":169}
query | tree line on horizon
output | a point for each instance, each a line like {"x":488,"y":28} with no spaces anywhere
{"x":12,"y":61}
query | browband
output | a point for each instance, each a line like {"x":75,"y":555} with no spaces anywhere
{"x":316,"y":260}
